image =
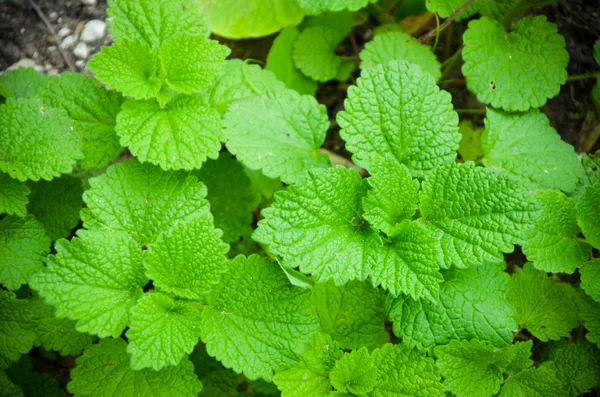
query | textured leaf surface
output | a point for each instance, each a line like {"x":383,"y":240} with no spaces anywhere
{"x":180,"y":136}
{"x":33,"y":383}
{"x":95,"y":279}
{"x":588,"y":214}
{"x":354,"y":372}
{"x":401,"y":46}
{"x":352,"y":314}
{"x":278,"y":133}
{"x":144,"y":201}
{"x":162,"y":331}
{"x":577,"y":365}
{"x":21,"y":83}
{"x":13,"y":196}
{"x":17,"y":328}
{"x":472,"y":305}
{"x":314,"y":53}
{"x":398,"y":113}
{"x":257,"y":322}
{"x":541,"y":306}
{"x":534,"y":382}
{"x":590,"y":279}
{"x":56,"y":204}
{"x":444,"y":8}
{"x":470,"y":144}
{"x":37,"y":142}
{"x":104,"y":371}
{"x":526,"y":146}
{"x":480,"y":212}
{"x":319,"y":6}
{"x":251,"y":18}
{"x":589,"y":313}
{"x":23,"y":246}
{"x":404,"y":372}
{"x":518,"y":70}
{"x":553,"y":245}
{"x":591,"y":173}
{"x":130,"y":67}
{"x":7,"y":388}
{"x":310,"y":378}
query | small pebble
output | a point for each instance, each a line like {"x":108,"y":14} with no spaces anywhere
{"x":81,"y":51}
{"x":93,"y":30}
{"x":53,"y":16}
{"x":68,"y":42}
{"x":88,"y":2}
{"x":80,"y":63}
{"x":63,"y":32}
{"x":23,"y":63}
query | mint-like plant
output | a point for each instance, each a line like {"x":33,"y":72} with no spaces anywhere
{"x":176,"y":226}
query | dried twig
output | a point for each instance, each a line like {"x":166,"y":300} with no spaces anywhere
{"x":46,"y":22}
{"x":433,"y":32}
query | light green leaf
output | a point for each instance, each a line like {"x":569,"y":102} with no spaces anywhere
{"x":21,"y":83}
{"x":23,"y":246}
{"x":257,"y":323}
{"x":56,"y":204}
{"x":590,"y":279}
{"x":534,"y":382}
{"x":280,"y":62}
{"x":588,"y":214}
{"x":577,"y":365}
{"x":591,"y":173}
{"x":162,"y":331}
{"x":354,"y":372}
{"x":13,"y":196}
{"x":37,"y":142}
{"x":518,"y":70}
{"x":237,"y":19}
{"x":95,"y":279}
{"x":472,"y":305}
{"x":187,"y":260}
{"x":17,"y":328}
{"x":230,"y":195}
{"x":141,"y":200}
{"x":104,"y":371}
{"x":401,"y":46}
{"x":279,"y":133}
{"x":445,"y":8}
{"x":470,"y":144}
{"x":524,"y":145}
{"x":319,"y":6}
{"x":310,"y":378}
{"x":404,"y":372}
{"x":130,"y":67}
{"x":497,"y":9}
{"x":202,"y":62}
{"x":480,"y":212}
{"x":398,"y":113}
{"x":352,"y":314}
{"x":179,"y":136}
{"x":553,"y":245}
{"x":314,"y":53}
{"x":542,"y":306}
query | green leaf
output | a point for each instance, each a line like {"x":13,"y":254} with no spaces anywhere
{"x":230,"y":195}
{"x":590,"y":279}
{"x":154,"y":22}
{"x":179,"y":136}
{"x":56,"y":204}
{"x":588,"y":214}
{"x":257,"y":323}
{"x":542,"y":306}
{"x":17,"y":328}
{"x":251,"y":18}
{"x":534,"y":382}
{"x":104,"y":370}
{"x":188,"y":260}
{"x":401,"y":46}
{"x":553,"y":245}
{"x":310,"y":378}
{"x":130,"y":67}
{"x":162,"y":331}
{"x":7,"y":388}
{"x":393,"y":197}
{"x":314,"y":53}
{"x":591,"y":173}
{"x":93,"y":108}
{"x":23,"y":246}
{"x":319,"y":6}
{"x":33,"y":384}
{"x":524,"y":145}
{"x":404,"y":372}
{"x":13,"y":196}
{"x":469,"y":147}
{"x":203,"y":61}
{"x":217,"y":381}
{"x":141,"y":200}
{"x":37,"y":142}
{"x":518,"y":70}
{"x":354,"y":372}
{"x":589,"y":313}
{"x":21,"y":83}
{"x":577,"y":365}
{"x":445,"y":8}
{"x":499,"y":9}
{"x":280,"y":62}
{"x":472,"y":304}
{"x":481,"y":213}
{"x":279,"y":133}
{"x":398,"y":113}
{"x":95,"y":279}
{"x":352,"y":314}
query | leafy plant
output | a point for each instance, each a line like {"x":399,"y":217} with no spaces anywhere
{"x":175,"y":224}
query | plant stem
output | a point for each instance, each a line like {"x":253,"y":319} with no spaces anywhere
{"x":432,"y":33}
{"x":585,"y":76}
{"x":452,"y":81}
{"x":470,"y":111}
{"x":449,"y":63}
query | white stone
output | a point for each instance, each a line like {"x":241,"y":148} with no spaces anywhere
{"x":63,"y":32}
{"x":88,"y":2}
{"x":68,"y":42}
{"x":80,"y":63}
{"x":93,"y":30}
{"x":23,"y":63}
{"x":81,"y":51}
